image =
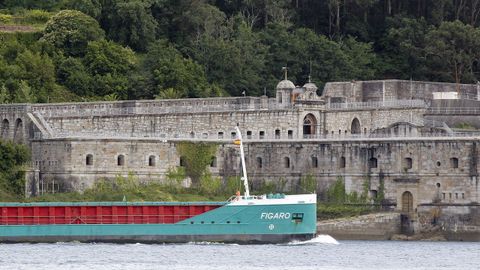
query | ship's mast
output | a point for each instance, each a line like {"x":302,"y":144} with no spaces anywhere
{"x":242,"y":156}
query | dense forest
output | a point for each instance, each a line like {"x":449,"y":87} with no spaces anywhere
{"x":83,"y":50}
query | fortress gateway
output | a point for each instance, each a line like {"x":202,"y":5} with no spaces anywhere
{"x":400,"y":135}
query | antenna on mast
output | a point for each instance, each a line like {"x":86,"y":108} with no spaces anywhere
{"x":238,"y":141}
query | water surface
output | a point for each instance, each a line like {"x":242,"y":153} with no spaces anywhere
{"x":321,"y":253}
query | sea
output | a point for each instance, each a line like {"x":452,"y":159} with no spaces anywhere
{"x":323,"y":252}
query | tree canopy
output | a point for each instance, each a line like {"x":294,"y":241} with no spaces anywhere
{"x":119,"y":49}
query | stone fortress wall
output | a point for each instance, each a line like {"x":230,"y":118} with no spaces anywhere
{"x":386,"y":133}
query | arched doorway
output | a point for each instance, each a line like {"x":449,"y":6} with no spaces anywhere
{"x":5,"y":129}
{"x":407,"y":202}
{"x":309,"y":125}
{"x":355,"y":128}
{"x":18,"y":131}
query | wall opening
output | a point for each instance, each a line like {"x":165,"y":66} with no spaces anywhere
{"x":407,"y":202}
{"x":314,"y":162}
{"x":213,"y":162}
{"x":249,"y":134}
{"x":220,"y":135}
{"x":18,"y":132}
{"x":454,"y":162}
{"x":372,"y":163}
{"x":89,"y":160}
{"x":261,"y":135}
{"x":309,"y":125}
{"x":407,"y":163}
{"x":355,"y":127}
{"x":290,"y":134}
{"x":151,"y":161}
{"x":286,"y":162}
{"x":181,"y":162}
{"x":259,"y":163}
{"x":5,"y":129}
{"x":121,"y":160}
{"x":341,"y":163}
{"x":277,"y":133}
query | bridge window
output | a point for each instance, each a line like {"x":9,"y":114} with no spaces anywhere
{"x":454,"y":162}
{"x":121,"y":160}
{"x":151,"y":161}
{"x":89,"y":160}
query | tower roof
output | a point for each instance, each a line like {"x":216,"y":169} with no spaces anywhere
{"x":285,"y":84}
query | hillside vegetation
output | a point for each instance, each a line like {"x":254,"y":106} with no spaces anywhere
{"x":83,"y":50}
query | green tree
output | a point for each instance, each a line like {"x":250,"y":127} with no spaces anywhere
{"x":71,"y":30}
{"x":72,"y":74}
{"x":130,"y":22}
{"x":4,"y":96}
{"x":169,"y":93}
{"x":458,"y":47}
{"x":25,"y":94}
{"x":12,"y":175}
{"x":165,"y":67}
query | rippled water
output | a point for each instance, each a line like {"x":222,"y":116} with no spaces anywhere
{"x":320,"y":253}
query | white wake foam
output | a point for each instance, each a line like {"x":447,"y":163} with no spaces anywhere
{"x":319,"y":240}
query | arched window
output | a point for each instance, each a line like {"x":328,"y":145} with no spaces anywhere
{"x":286,"y":162}
{"x":121,"y":160}
{"x":372,"y":163}
{"x":213,"y":162}
{"x":309,"y":125}
{"x":408,"y":163}
{"x":5,"y":129}
{"x":314,"y":162}
{"x":89,"y":160}
{"x":151,"y":161}
{"x":341,"y":163}
{"x":355,"y":127}
{"x":407,"y":202}
{"x":18,"y":132}
{"x":277,"y":133}
{"x":454,"y":162}
{"x":259,"y":163}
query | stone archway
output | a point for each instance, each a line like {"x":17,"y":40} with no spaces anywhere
{"x":309,"y":125}
{"x":355,"y":127}
{"x":5,"y":129}
{"x":18,"y":131}
{"x":407,"y":202}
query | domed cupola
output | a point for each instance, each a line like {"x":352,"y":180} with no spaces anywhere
{"x":284,"y":90}
{"x":310,"y":87}
{"x":285,"y":85}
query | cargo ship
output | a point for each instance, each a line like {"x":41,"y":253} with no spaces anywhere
{"x":245,"y":219}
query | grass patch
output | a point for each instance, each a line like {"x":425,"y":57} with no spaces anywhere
{"x":333,"y":211}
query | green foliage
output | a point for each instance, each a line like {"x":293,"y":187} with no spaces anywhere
{"x":6,"y":18}
{"x":210,"y":185}
{"x":196,"y":156}
{"x":336,"y":192}
{"x":36,"y":16}
{"x":332,"y":211}
{"x":308,"y":183}
{"x":462,"y":125}
{"x":169,"y":93}
{"x":12,"y":175}
{"x":380,"y":193}
{"x":71,"y":30}
{"x":454,"y":48}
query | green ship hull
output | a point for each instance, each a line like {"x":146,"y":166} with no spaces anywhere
{"x":244,"y":222}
